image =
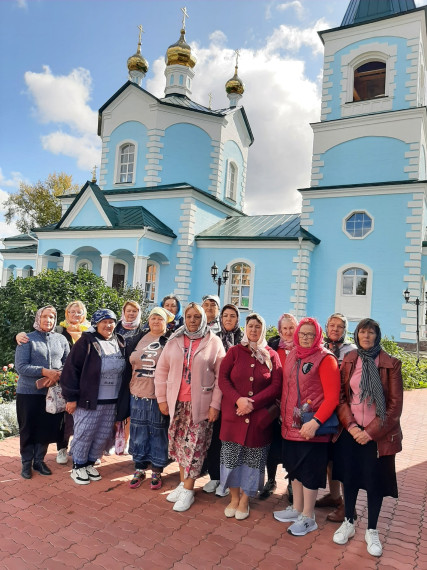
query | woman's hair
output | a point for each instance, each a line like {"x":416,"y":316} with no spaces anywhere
{"x":193,"y":305}
{"x":79,"y":304}
{"x":167,"y":298}
{"x":369,"y":324}
{"x":253,"y":317}
{"x":133,"y":303}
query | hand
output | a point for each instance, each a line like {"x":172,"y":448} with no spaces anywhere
{"x":353,"y":431}
{"x":212,"y":415}
{"x":164,"y":408}
{"x":309,"y":429}
{"x":244,"y":406}
{"x":21,"y":338}
{"x":362,"y":437}
{"x":70,"y":407}
{"x":52,"y":374}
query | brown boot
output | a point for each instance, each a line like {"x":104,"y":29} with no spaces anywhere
{"x":328,"y":501}
{"x":339,"y":514}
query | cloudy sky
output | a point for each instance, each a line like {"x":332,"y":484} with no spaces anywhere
{"x":60,"y":60}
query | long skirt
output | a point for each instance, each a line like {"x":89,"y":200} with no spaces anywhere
{"x":92,"y":431}
{"x":306,"y":461}
{"x":358,"y":467}
{"x":243,"y":467}
{"x":148,"y":443}
{"x":188,"y":442}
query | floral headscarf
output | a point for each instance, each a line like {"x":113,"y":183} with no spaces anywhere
{"x":101,"y":315}
{"x":286,"y":344}
{"x":303,"y":352}
{"x":131,"y":324}
{"x":37,"y":319}
{"x":258,"y":348}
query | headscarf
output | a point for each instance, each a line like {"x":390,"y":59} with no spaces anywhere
{"x":286,"y":344}
{"x":230,"y":338}
{"x":101,"y":315}
{"x":371,"y":388}
{"x":166,"y":315}
{"x":75,"y":330}
{"x":258,"y":348}
{"x":303,"y":352}
{"x":200,"y":332}
{"x":37,"y":319}
{"x":131,"y":324}
{"x":214,"y":324}
{"x":178,"y":314}
{"x":334,"y":345}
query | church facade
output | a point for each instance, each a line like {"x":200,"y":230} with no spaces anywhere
{"x":170,"y":194}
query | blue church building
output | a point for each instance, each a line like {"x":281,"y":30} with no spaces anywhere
{"x":169,"y":199}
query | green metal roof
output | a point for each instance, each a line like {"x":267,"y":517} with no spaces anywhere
{"x":362,"y":11}
{"x":20,"y":237}
{"x":23,"y":249}
{"x":268,"y":227}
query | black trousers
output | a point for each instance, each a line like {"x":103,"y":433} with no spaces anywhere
{"x":211,"y":463}
{"x":37,"y":428}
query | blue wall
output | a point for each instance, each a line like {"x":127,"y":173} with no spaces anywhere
{"x":232,"y":152}
{"x":129,"y":131}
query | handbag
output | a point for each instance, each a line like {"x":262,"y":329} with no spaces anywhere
{"x":55,"y":403}
{"x":120,"y":439}
{"x":328,"y":427}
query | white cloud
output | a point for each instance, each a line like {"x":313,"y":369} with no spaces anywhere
{"x":22,"y":4}
{"x":295,"y":5}
{"x":5,"y":229}
{"x":85,"y":149}
{"x":280,"y":102}
{"x":293,"y":39}
{"x":13,"y":181}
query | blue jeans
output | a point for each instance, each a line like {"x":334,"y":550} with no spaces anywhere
{"x":148,"y":441}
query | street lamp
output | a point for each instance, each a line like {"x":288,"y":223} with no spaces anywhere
{"x":417,"y":303}
{"x":222,"y":279}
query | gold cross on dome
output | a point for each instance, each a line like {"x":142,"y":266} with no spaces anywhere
{"x":184,"y":15}
{"x":237,"y":52}
{"x":141,"y":31}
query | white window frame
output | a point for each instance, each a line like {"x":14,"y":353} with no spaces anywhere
{"x":119,"y":149}
{"x":228,"y":284}
{"x":156,"y":266}
{"x":354,"y":307}
{"x":346,"y":218}
{"x":231,"y":194}
{"x":82,"y":261}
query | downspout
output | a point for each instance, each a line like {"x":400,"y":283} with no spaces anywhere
{"x":137,"y":251}
{"x":299,"y":277}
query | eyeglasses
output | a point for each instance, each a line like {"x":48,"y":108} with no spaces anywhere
{"x":77,"y":313}
{"x":306,"y":335}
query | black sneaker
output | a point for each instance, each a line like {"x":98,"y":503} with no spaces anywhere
{"x":268,"y":489}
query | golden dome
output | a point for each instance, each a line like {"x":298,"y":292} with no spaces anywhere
{"x":235,"y":84}
{"x":180,"y":53}
{"x":137,"y":63}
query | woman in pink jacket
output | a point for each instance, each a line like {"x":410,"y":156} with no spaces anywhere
{"x":186,"y":385}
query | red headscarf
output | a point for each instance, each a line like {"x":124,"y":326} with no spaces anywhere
{"x":303,"y":352}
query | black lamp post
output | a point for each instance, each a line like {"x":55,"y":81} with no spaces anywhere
{"x":222,"y":279}
{"x":417,"y":303}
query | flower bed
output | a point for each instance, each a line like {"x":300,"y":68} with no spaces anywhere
{"x":8,"y":381}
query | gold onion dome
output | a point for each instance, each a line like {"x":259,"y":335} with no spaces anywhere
{"x":235,"y":84}
{"x":180,"y":53}
{"x":137,"y":63}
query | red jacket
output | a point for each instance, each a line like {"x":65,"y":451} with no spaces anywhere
{"x":389,"y":434}
{"x":240,"y":375}
{"x":311,"y":388}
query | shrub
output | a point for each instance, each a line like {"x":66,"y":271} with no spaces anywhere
{"x":8,"y":381}
{"x":21,"y":297}
{"x":413,"y":376}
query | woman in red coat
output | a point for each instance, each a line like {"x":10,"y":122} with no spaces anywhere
{"x":250,"y":379}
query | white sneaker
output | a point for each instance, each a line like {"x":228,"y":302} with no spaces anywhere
{"x":185,"y":500}
{"x":302,"y":526}
{"x":288,"y":515}
{"x":80,"y":476}
{"x":373,"y":541}
{"x":174,"y":495}
{"x":211,"y":486}
{"x":345,"y":532}
{"x":93,"y":473}
{"x":221,"y":492}
{"x":62,"y":456}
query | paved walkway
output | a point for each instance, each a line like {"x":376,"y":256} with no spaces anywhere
{"x":49,"y":522}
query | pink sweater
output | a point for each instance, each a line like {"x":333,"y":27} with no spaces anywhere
{"x":204,"y":375}
{"x":362,"y":412}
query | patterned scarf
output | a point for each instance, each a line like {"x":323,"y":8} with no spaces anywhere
{"x":230,"y":338}
{"x":131,"y":324}
{"x":258,"y":348}
{"x":286,"y":344}
{"x":200,"y":332}
{"x":335,"y":345}
{"x":371,"y":388}
{"x":37,"y":319}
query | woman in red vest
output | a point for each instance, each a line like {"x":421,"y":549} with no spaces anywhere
{"x":311,"y":382}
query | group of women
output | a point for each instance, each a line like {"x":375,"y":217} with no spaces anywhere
{"x":174,"y":375}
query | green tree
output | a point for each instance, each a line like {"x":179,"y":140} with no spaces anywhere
{"x":37,"y":205}
{"x":21,"y":297}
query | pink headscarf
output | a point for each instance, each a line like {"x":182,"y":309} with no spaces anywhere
{"x":303,"y":352}
{"x":286,"y":344}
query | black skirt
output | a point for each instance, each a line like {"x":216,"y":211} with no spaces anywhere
{"x":358,"y":467}
{"x":306,"y":461}
{"x":35,"y":424}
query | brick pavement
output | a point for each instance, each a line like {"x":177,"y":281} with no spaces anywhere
{"x":49,"y":522}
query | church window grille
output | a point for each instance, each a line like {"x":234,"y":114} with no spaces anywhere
{"x":150,"y":283}
{"x":354,"y":281}
{"x":369,"y":81}
{"x":240,"y":285}
{"x":358,"y":224}
{"x":231,"y":181}
{"x":127,"y":163}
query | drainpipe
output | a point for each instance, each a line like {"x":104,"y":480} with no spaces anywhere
{"x":137,"y":251}
{"x":299,"y":277}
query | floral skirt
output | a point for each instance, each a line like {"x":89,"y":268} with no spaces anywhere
{"x":188,"y":442}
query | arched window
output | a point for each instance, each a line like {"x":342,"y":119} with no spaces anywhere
{"x":231,"y":181}
{"x":127,"y":163}
{"x":354,"y":281}
{"x":150,"y":283}
{"x":369,"y":81}
{"x":84,"y":264}
{"x":241,"y":285}
{"x":119,"y":271}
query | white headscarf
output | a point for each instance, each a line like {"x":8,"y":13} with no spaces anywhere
{"x":200,"y":332}
{"x":258,"y":348}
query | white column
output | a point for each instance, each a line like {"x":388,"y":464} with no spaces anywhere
{"x":42,"y":262}
{"x":5,"y":276}
{"x":69,"y":263}
{"x":19,"y":272}
{"x":139,"y":270}
{"x":107,"y":264}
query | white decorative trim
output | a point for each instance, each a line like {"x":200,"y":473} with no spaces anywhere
{"x":88,"y":194}
{"x":345,"y":219}
{"x":116,"y":177}
{"x":227,"y":290}
{"x":82,"y":261}
{"x":355,"y":307}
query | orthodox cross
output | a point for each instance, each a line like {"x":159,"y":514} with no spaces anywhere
{"x":237,"y":52}
{"x":141,"y":31}
{"x":94,"y":174}
{"x":184,"y":15}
